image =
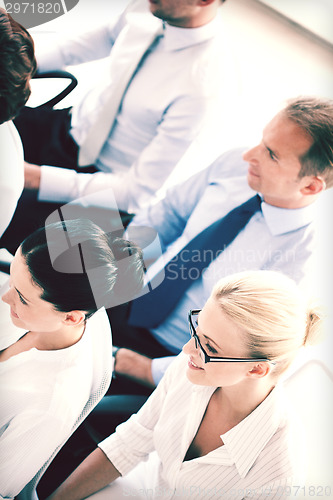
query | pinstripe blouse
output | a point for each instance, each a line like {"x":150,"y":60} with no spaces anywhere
{"x":261,"y":457}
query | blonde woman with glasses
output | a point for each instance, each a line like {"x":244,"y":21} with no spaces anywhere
{"x":217,"y":423}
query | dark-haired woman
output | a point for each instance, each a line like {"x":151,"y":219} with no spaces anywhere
{"x":55,"y":297}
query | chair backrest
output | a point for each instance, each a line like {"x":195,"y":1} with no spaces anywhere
{"x":58,"y":74}
{"x":102,"y":374}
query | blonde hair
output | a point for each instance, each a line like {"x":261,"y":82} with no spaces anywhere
{"x":273,"y":313}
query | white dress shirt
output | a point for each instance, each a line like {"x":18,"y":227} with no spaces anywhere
{"x":184,"y":83}
{"x":276,"y":239}
{"x":11,"y":172}
{"x":42,"y":393}
{"x":260,"y":456}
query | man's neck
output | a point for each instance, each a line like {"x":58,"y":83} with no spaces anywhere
{"x":204,"y":16}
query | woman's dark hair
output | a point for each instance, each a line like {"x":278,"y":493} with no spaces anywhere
{"x":80,"y":267}
{"x":17,"y":66}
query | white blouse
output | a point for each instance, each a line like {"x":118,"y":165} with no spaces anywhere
{"x":42,"y":393}
{"x":261,"y":454}
{"x":11,"y":172}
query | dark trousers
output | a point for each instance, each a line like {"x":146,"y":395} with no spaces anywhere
{"x":45,"y":136}
{"x":135,"y":338}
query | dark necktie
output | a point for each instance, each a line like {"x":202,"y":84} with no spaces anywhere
{"x":149,"y":310}
{"x":101,"y":127}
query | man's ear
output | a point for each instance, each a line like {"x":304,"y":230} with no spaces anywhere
{"x":315,"y":185}
{"x":74,"y":318}
{"x":259,"y":370}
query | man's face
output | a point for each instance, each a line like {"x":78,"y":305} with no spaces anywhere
{"x":274,"y":164}
{"x":175,"y":12}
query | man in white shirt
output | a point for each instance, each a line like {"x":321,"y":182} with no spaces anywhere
{"x":17,"y":65}
{"x":289,"y":169}
{"x":175,"y":90}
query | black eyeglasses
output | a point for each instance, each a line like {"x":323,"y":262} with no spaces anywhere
{"x":193,"y":322}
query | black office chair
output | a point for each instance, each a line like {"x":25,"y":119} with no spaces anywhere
{"x":64,"y":93}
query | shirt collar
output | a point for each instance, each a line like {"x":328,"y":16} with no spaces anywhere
{"x":180,"y":38}
{"x":253,"y":433}
{"x":284,"y":220}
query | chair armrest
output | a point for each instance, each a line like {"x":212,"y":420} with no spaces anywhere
{"x":58,"y":74}
{"x":4,"y":267}
{"x":5,"y":260}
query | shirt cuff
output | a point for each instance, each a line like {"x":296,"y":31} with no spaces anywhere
{"x":56,"y":184}
{"x":115,"y":450}
{"x":111,"y":447}
{"x":159,"y":367}
{"x":48,"y":57}
{"x":62,"y":185}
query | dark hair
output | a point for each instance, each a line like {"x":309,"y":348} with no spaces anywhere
{"x":315,"y":116}
{"x":17,"y":66}
{"x":80,"y":267}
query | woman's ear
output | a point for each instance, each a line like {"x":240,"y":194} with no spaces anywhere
{"x":259,"y":370}
{"x":74,"y":318}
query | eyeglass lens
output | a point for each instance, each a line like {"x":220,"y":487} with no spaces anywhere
{"x":194,"y":318}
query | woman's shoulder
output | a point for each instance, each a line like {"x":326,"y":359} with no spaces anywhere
{"x":99,"y":329}
{"x":283,"y":456}
{"x":100,"y":317}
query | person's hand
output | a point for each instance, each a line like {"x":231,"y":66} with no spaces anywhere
{"x":135,"y":366}
{"x":31,"y":176}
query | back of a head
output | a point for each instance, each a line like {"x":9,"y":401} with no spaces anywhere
{"x":17,"y":66}
{"x":315,"y":116}
{"x":275,"y":316}
{"x":80,"y":267}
